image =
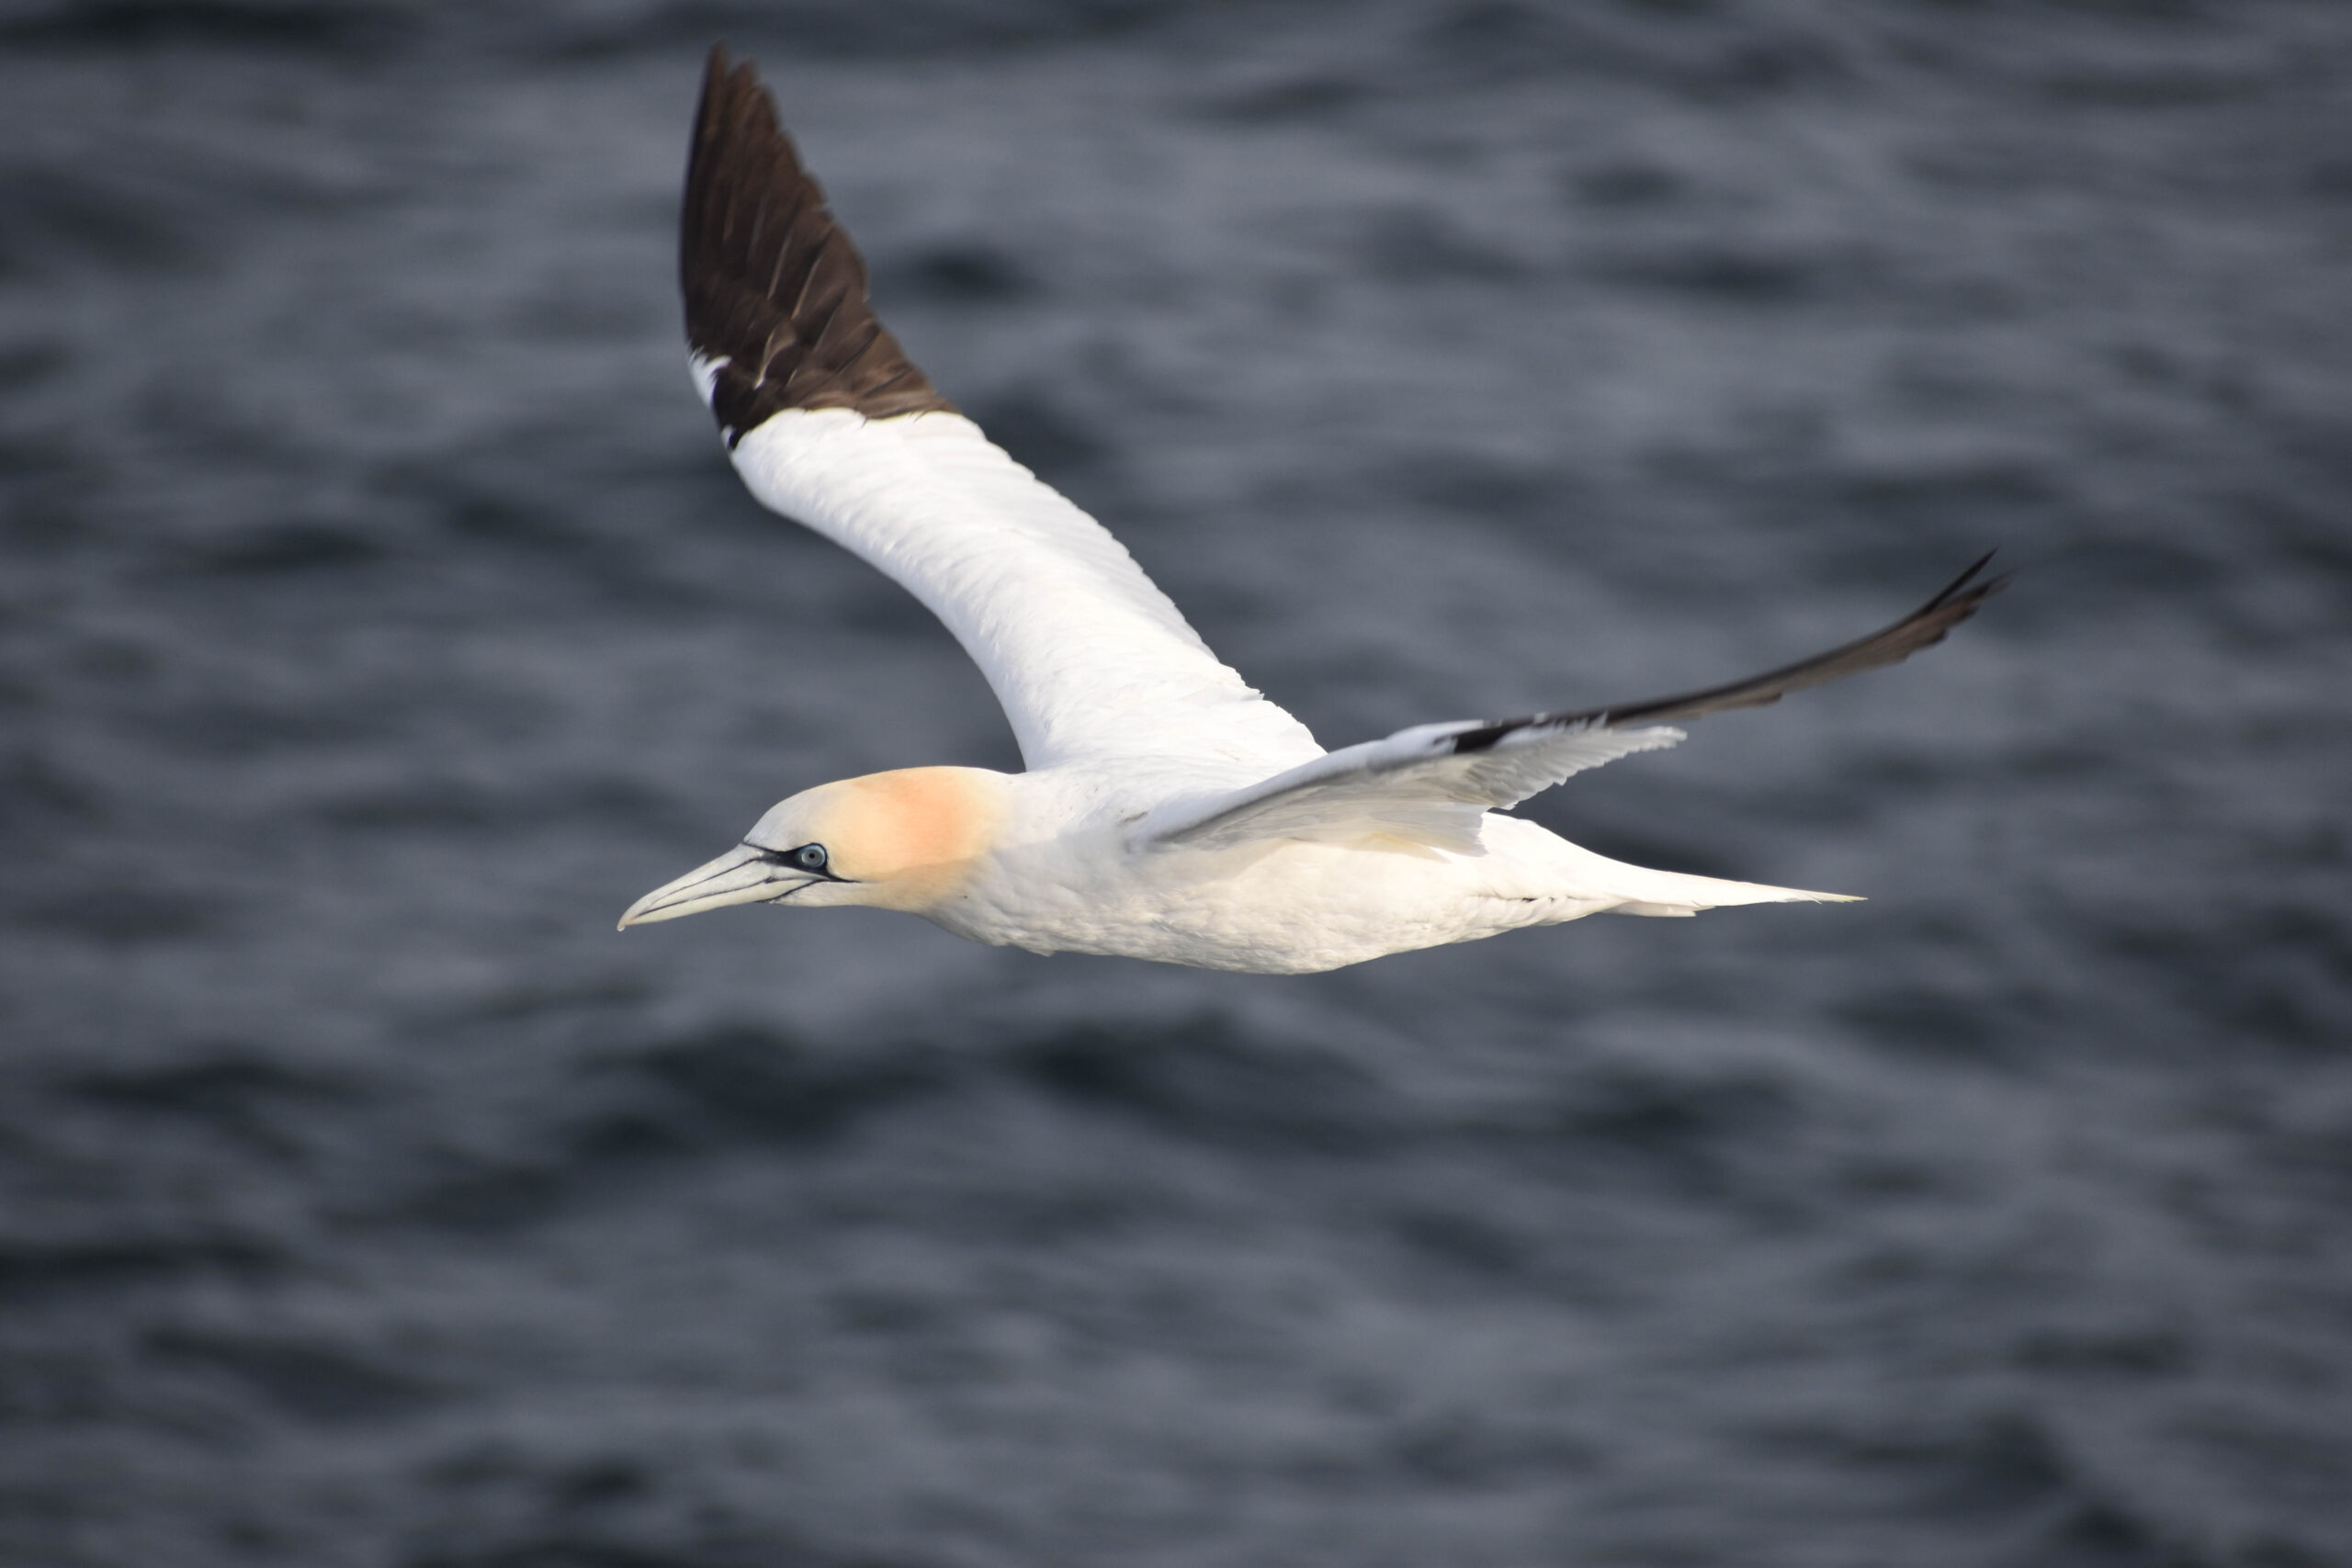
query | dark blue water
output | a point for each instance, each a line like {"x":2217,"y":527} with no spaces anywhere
{"x":378,"y":618}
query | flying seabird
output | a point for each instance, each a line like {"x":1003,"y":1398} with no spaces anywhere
{"x":1168,"y":811}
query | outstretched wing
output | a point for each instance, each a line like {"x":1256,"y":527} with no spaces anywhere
{"x":1431,"y":782}
{"x":831,"y":425}
{"x":1417,"y":784}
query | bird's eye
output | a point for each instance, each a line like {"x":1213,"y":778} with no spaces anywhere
{"x":810,"y":857}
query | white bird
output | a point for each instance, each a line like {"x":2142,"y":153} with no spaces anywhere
{"x":1168,"y":811}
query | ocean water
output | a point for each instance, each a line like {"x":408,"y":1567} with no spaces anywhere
{"x":378,"y":618}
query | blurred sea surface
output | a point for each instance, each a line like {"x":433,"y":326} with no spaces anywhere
{"x":378,"y":616}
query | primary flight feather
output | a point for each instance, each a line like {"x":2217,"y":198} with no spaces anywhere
{"x":1168,"y":810}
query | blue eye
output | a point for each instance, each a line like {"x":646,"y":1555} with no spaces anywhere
{"x":810,"y":857}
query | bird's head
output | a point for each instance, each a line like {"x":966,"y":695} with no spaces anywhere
{"x":907,"y":840}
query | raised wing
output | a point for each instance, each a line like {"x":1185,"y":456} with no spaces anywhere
{"x":830,"y":424}
{"x":1431,"y":782}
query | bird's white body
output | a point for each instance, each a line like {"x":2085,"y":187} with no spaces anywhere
{"x":1292,"y":905}
{"x":1170,"y":811}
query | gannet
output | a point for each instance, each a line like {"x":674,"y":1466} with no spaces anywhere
{"x":1168,"y":810}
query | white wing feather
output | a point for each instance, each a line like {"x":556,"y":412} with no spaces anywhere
{"x":1088,"y":656}
{"x":1413,"y":784}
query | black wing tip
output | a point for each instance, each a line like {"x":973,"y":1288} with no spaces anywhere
{"x":775,"y":290}
{"x":1924,"y":628}
{"x":715,"y":67}
{"x":1961,"y":599}
{"x":1959,"y":589}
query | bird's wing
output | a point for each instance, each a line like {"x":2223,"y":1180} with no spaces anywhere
{"x":829,"y":424}
{"x":1431,"y":782}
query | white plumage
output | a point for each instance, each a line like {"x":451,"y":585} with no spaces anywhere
{"x":1168,"y":810}
{"x":1088,"y":656}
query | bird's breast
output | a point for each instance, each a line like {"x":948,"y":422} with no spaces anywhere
{"x":1280,"y":906}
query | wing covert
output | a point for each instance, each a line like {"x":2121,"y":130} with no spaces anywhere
{"x":1416,"y":785}
{"x":1087,"y":658}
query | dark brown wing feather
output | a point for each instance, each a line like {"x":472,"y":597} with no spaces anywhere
{"x":772,"y":286}
{"x":1922,"y":628}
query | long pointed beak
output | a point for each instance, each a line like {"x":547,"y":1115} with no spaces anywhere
{"x":742,"y":876}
